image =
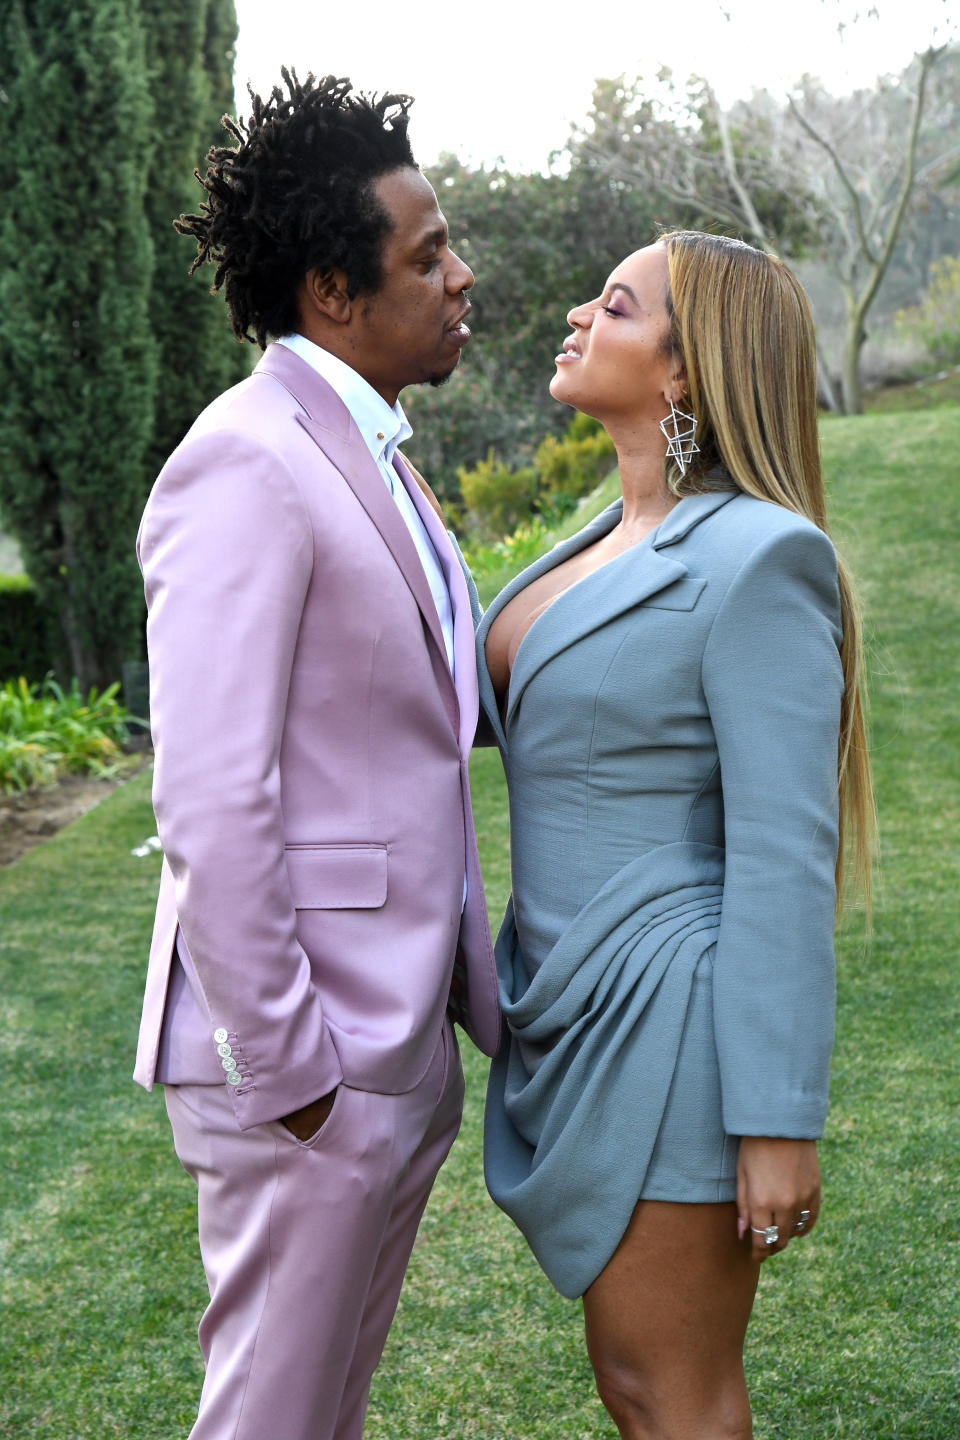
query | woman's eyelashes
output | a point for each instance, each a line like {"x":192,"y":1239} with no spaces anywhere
{"x":611,"y":310}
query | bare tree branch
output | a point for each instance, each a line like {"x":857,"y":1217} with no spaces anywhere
{"x":927,"y":60}
{"x":754,"y":222}
{"x":840,"y":169}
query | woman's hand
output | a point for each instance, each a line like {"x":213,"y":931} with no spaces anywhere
{"x":778,"y":1189}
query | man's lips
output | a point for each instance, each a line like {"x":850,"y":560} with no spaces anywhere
{"x":458,"y":331}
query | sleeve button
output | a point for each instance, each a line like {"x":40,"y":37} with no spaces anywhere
{"x":220,"y":1035}
{"x":234,"y":1077}
{"x":224,"y":1049}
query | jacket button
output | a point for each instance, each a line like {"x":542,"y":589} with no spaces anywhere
{"x":220,"y":1035}
{"x":229,"y":1063}
{"x":224,"y":1049}
{"x":234,"y":1077}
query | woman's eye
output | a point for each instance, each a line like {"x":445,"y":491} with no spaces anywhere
{"x":609,"y":310}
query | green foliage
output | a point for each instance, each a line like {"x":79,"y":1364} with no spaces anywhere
{"x":507,"y":556}
{"x":106,"y":106}
{"x":496,"y":497}
{"x":935,"y":322}
{"x":23,"y":634}
{"x":46,"y":732}
{"x":189,"y":51}
{"x":574,"y":465}
{"x":77,"y":357}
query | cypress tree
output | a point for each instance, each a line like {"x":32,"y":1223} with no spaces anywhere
{"x":190,"y":47}
{"x":219,"y":53}
{"x":77,"y":356}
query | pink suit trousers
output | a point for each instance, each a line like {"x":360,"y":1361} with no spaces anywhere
{"x":305,"y":1245}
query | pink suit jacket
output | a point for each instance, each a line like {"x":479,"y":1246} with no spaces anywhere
{"x":311,"y":785}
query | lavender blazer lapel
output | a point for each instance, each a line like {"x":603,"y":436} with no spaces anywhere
{"x":464,"y":650}
{"x":330,"y":425}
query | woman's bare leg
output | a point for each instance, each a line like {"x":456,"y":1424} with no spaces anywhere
{"x":666,"y":1321}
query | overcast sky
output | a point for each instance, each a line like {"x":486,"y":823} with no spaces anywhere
{"x":507,"y":77}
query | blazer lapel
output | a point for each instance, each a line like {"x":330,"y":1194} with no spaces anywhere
{"x":461,"y":686}
{"x":353,"y":460}
{"x":622,"y":583}
{"x":598,"y":526}
{"x":619,"y":585}
{"x":330,"y":425}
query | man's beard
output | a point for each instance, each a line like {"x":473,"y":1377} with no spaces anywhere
{"x":437,"y":380}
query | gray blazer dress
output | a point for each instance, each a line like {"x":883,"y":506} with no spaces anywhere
{"x":666,"y":960}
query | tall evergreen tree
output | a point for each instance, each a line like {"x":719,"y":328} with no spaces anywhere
{"x":219,"y":53}
{"x":190,"y":47}
{"x":77,"y":355}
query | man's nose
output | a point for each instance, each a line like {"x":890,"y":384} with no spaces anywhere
{"x":459,"y":276}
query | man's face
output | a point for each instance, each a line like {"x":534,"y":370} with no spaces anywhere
{"x":411,"y":331}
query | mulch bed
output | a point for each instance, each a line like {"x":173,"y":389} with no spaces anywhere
{"x":28,"y":817}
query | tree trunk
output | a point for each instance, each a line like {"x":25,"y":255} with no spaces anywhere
{"x":852,"y":345}
{"x":826,"y":389}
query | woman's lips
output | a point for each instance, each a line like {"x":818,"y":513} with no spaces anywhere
{"x":569,"y":352}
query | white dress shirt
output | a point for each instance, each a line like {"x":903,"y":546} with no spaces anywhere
{"x":383,"y":428}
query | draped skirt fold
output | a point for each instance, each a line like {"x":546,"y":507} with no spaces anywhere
{"x":578,"y":1091}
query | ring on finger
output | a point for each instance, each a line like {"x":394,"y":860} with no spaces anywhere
{"x":802,"y":1220}
{"x":770,"y":1233}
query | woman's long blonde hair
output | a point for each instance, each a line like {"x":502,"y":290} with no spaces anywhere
{"x":742,"y":326}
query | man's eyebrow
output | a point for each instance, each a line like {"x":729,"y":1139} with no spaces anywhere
{"x":437,"y":236}
{"x":617,"y":285}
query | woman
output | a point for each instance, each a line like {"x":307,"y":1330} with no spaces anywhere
{"x":675,"y":693}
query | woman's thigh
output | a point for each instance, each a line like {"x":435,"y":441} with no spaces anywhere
{"x":666,"y":1320}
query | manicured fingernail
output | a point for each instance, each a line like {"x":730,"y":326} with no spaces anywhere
{"x":741,"y":1227}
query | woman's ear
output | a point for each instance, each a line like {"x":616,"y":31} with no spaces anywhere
{"x":679,"y":391}
{"x":325,"y":294}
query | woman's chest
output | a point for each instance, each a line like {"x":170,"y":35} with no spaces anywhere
{"x":510,"y":627}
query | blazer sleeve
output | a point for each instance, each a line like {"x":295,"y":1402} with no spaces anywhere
{"x":773,"y":682}
{"x":226,"y":549}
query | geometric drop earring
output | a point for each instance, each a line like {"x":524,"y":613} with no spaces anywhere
{"x":680,"y":430}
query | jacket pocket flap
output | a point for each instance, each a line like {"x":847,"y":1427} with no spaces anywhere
{"x":681,"y":595}
{"x":337,"y":877}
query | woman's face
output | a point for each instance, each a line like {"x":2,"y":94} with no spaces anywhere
{"x":615,"y":365}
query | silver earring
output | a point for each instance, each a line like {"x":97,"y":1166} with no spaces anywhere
{"x":680,"y":430}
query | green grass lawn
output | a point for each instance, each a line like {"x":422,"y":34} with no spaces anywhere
{"x":855,"y":1332}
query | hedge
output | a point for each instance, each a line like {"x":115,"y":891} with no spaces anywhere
{"x":23,"y":639}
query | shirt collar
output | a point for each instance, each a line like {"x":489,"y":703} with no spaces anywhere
{"x":382,"y":426}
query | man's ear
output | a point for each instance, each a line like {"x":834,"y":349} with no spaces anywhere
{"x":326,"y":294}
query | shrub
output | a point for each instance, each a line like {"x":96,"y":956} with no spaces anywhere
{"x":514,"y":553}
{"x":497,"y":498}
{"x":935,"y":322}
{"x":573,"y":465}
{"x":23,"y":647}
{"x":46,"y":732}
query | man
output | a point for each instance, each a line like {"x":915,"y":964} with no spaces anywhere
{"x":314,"y":700}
